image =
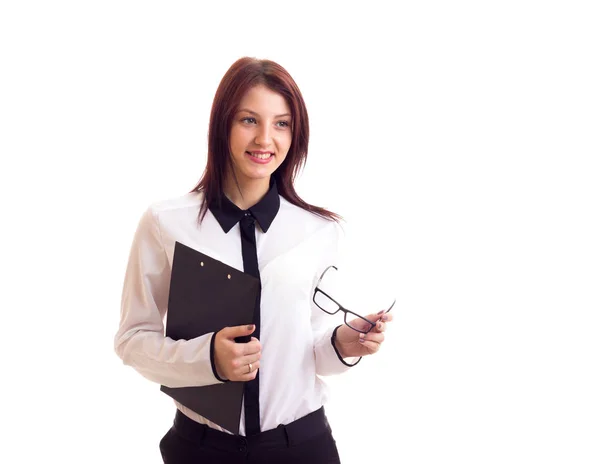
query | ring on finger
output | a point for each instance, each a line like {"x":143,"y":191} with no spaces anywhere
{"x":249,"y":368}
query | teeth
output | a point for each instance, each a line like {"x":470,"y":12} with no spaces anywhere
{"x":261,"y":155}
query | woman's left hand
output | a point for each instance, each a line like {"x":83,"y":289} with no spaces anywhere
{"x":351,"y":343}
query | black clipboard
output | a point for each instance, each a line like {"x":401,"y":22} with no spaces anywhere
{"x":206,"y":295}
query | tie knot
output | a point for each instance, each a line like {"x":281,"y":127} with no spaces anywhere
{"x":248,"y":219}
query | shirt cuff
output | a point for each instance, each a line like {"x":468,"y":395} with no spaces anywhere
{"x":212,"y":359}
{"x":338,"y":353}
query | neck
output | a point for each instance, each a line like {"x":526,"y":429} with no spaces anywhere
{"x":246,"y":194}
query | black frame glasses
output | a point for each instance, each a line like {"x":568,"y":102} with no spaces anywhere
{"x":367,"y":323}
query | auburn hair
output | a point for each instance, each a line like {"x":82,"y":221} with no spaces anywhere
{"x":243,"y":75}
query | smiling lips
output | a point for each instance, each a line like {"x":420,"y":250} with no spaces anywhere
{"x":260,"y":156}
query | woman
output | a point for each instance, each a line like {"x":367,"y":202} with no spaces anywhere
{"x":245,"y":213}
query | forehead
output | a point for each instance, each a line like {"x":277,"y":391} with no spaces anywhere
{"x":264,"y":101}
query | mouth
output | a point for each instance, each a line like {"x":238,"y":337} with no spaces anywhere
{"x":260,"y":157}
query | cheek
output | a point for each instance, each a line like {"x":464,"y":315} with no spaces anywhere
{"x":237,"y":140}
{"x":285,"y":142}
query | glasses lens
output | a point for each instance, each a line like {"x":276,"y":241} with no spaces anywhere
{"x":325,"y":303}
{"x":357,"y":323}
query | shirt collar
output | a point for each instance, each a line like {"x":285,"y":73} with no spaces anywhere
{"x":228,"y":214}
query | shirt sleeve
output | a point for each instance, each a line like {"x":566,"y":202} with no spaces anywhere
{"x":140,"y":341}
{"x":328,"y":359}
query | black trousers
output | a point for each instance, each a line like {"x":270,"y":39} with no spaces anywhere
{"x":306,"y":440}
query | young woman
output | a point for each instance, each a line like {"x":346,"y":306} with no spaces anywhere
{"x":245,"y":213}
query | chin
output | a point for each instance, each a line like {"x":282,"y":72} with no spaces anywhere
{"x":256,"y":176}
{"x":259,"y":173}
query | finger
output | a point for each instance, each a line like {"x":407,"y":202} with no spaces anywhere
{"x":239,"y":350}
{"x":248,"y":371}
{"x":384,"y":314}
{"x":248,"y":377}
{"x":387,"y":317}
{"x":239,"y":364}
{"x":378,"y":316}
{"x":371,"y":346}
{"x":250,"y":348}
{"x":250,"y":359}
{"x":358,"y":324}
{"x":237,"y":331}
{"x":379,"y":327}
{"x":373,"y":317}
{"x":374,"y":337}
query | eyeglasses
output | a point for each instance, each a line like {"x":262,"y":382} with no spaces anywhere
{"x":330,"y":306}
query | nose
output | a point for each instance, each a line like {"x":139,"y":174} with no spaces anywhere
{"x":263,"y":136}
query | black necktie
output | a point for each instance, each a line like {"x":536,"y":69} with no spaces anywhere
{"x":250,"y":259}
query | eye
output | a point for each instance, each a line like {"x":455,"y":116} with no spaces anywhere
{"x":283,"y":124}
{"x":249,"y":120}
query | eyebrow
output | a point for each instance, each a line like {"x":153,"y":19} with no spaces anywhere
{"x":256,"y":114}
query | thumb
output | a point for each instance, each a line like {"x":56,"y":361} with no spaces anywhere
{"x":237,"y":331}
{"x":376,"y":316}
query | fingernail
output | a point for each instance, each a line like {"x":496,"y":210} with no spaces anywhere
{"x":361,"y":337}
{"x":379,"y":325}
{"x":251,"y":327}
{"x":384,"y":318}
{"x":361,"y":340}
{"x":380,"y":312}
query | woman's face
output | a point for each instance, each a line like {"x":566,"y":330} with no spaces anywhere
{"x":261,"y":135}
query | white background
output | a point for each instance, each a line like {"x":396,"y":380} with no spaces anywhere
{"x":459,"y":139}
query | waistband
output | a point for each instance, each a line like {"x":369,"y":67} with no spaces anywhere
{"x":301,"y":430}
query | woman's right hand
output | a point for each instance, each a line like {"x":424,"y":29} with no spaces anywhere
{"x":237,"y":362}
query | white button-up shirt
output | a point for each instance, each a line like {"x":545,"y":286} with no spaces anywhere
{"x":296,"y":336}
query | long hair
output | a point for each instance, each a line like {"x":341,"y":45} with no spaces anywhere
{"x":243,"y":75}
